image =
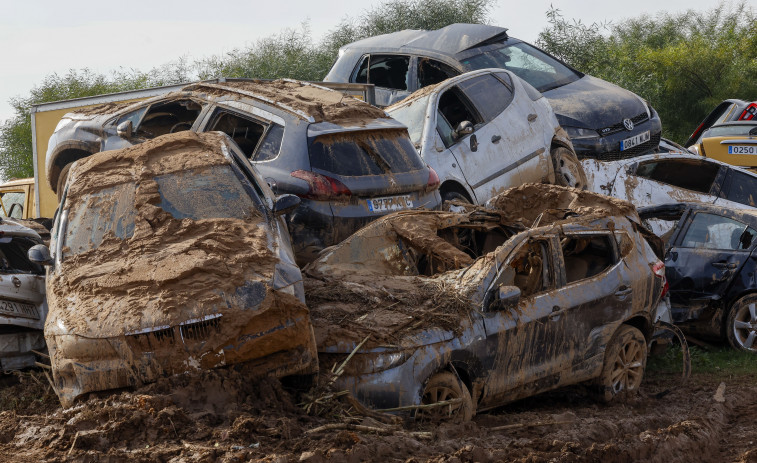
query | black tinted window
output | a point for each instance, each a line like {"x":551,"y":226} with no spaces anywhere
{"x":389,"y":71}
{"x":488,"y":94}
{"x":456,"y":108}
{"x":741,"y":188}
{"x":364,"y":153}
{"x":271,"y":144}
{"x":682,"y":173}
{"x":432,"y":72}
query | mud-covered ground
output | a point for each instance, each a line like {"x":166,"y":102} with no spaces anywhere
{"x":221,"y":416}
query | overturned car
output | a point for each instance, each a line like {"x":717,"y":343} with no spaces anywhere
{"x":167,"y":257}
{"x":457,"y":312}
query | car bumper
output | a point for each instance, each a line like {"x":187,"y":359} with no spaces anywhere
{"x":607,"y":148}
{"x":15,"y":349}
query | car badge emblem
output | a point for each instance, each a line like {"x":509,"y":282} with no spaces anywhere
{"x":628,"y":124}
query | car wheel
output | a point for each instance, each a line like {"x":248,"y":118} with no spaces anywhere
{"x":62,"y":180}
{"x":741,"y":324}
{"x":448,"y":196}
{"x":625,"y":360}
{"x":568,"y":170}
{"x":442,"y":387}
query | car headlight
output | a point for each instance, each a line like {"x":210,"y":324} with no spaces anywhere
{"x":73,"y":347}
{"x":579,"y":133}
{"x":375,"y":362}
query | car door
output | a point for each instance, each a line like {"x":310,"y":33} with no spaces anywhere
{"x":489,"y":156}
{"x":707,"y":253}
{"x":390,"y":73}
{"x":739,"y":190}
{"x":524,"y":342}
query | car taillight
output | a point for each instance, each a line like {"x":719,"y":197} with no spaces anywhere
{"x":659,"y":272}
{"x":750,"y":112}
{"x":433,"y":179}
{"x":696,"y":132}
{"x":321,"y":187}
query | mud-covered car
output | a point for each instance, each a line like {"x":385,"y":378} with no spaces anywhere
{"x":710,"y":265}
{"x":545,"y":287}
{"x":167,"y":257}
{"x":486,"y":131}
{"x":604,"y":121}
{"x":347,"y":160}
{"x":657,"y":179}
{"x":22,"y":297}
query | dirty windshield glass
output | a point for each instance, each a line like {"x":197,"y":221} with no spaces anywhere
{"x":728,"y":130}
{"x":13,"y":204}
{"x":203,"y":193}
{"x":413,"y":115}
{"x":535,"y":67}
{"x":364,"y":153}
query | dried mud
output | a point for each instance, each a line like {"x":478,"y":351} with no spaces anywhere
{"x":222,"y":416}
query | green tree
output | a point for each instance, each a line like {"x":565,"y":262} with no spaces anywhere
{"x":683,"y":64}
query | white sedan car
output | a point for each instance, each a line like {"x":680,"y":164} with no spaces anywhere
{"x":22,"y":297}
{"x":486,"y":131}
{"x":657,"y":179}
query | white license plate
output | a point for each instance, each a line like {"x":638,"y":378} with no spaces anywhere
{"x":390,"y":203}
{"x":18,"y":309}
{"x":629,"y":143}
{"x":742,"y":149}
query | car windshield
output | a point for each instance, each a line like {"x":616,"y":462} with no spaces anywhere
{"x":529,"y":63}
{"x":201,"y":193}
{"x":376,"y":152}
{"x":413,"y":115}
{"x":729,"y":130}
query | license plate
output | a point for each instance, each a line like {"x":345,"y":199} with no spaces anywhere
{"x":18,"y":309}
{"x":742,"y":149}
{"x":629,"y":143}
{"x":390,"y":203}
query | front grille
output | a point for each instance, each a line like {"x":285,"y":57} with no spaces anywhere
{"x":631,"y":152}
{"x":200,"y":329}
{"x":151,"y":339}
{"x":619,"y":127}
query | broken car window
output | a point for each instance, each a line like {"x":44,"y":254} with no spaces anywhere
{"x":587,"y":255}
{"x":489,"y":94}
{"x":271,"y":144}
{"x":13,"y":204}
{"x":244,"y":131}
{"x":712,"y":231}
{"x":162,"y":118}
{"x":456,"y":108}
{"x":388,"y":71}
{"x":13,"y":256}
{"x":432,"y":72}
{"x":682,"y":173}
{"x":529,"y":269}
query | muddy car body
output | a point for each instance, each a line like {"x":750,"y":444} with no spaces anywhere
{"x":347,"y":160}
{"x":486,"y":131}
{"x":710,"y":262}
{"x":169,"y":256}
{"x":664,"y":178}
{"x":537,"y":291}
{"x":604,"y":121}
{"x":22,"y":297}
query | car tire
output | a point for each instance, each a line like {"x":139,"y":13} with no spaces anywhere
{"x":568,"y":169}
{"x":62,"y":177}
{"x":443,"y":386}
{"x":741,"y":324}
{"x":624,"y":363}
{"x":448,"y":196}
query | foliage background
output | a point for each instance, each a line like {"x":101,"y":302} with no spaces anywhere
{"x":684,"y":64}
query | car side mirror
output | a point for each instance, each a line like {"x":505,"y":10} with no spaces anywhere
{"x":40,"y":254}
{"x":125,"y":129}
{"x":507,"y":297}
{"x":285,"y":204}
{"x":463,"y":129}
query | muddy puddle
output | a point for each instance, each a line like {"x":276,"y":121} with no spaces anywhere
{"x":222,"y":416}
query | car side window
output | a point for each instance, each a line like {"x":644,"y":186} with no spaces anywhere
{"x":271,"y":144}
{"x":587,"y":255}
{"x":489,"y":95}
{"x":711,"y":231}
{"x":456,"y":108}
{"x":245,"y":131}
{"x":12,"y":204}
{"x":388,"y":71}
{"x":692,"y":175}
{"x":163,"y":117}
{"x":432,"y":72}
{"x":529,"y":269}
{"x":741,"y":188}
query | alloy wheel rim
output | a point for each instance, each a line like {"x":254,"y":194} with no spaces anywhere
{"x":745,"y":327}
{"x":628,"y":368}
{"x":568,"y":171}
{"x":435,"y":395}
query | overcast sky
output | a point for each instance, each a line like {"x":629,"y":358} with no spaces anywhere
{"x":41,"y":37}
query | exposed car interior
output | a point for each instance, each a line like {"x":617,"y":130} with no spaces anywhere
{"x":169,"y":117}
{"x":389,"y":71}
{"x":245,"y":132}
{"x":13,"y":257}
{"x":682,"y":173}
{"x":531,"y":269}
{"x":586,"y":256}
{"x":432,"y":72}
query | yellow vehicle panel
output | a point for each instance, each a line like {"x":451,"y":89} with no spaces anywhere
{"x":718,"y":148}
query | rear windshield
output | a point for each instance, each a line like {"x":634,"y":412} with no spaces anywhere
{"x":364,"y":153}
{"x":527,"y":62}
{"x":730,"y":130}
{"x":203,"y":193}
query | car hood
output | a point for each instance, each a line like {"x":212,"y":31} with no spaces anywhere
{"x":593,"y":103}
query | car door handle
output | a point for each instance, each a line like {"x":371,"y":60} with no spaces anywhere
{"x":555,"y":315}
{"x":473,"y":143}
{"x":724,"y":264}
{"x":531,"y":117}
{"x":16,"y":282}
{"x":623,"y":291}
{"x":496,"y":138}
